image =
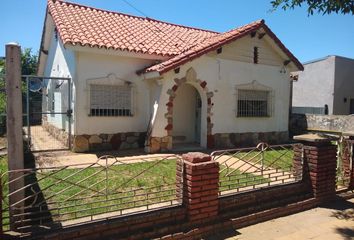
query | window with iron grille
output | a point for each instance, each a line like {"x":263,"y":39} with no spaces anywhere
{"x":110,"y":100}
{"x":253,"y":103}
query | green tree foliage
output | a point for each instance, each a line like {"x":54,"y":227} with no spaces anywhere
{"x":28,"y":67}
{"x":2,"y":66}
{"x":320,"y":6}
{"x":28,"y":62}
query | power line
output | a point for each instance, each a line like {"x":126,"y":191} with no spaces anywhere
{"x":135,"y":8}
{"x":154,"y":31}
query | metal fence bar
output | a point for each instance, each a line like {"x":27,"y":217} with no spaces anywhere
{"x":245,"y":169}
{"x":79,"y":193}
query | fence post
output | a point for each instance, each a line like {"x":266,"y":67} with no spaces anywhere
{"x":348,"y":157}
{"x":320,"y":160}
{"x":200,"y":186}
{"x":14,"y":127}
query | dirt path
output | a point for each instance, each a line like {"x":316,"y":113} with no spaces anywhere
{"x":42,"y":140}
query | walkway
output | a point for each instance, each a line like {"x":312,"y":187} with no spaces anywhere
{"x":334,"y":221}
{"x":42,"y":140}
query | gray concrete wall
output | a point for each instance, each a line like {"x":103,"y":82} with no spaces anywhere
{"x":344,"y":85}
{"x":315,"y":85}
{"x":300,"y":123}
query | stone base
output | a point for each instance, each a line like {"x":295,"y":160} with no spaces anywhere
{"x":159,"y":144}
{"x":104,"y":142}
{"x":56,"y":132}
{"x":235,"y":140}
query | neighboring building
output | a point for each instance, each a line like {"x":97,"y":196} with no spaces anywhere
{"x":326,"y":86}
{"x":138,"y":81}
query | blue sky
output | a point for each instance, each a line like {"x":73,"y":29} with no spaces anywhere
{"x":307,"y":37}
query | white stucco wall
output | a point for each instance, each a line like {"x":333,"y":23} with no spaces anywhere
{"x":223,"y":72}
{"x":315,"y":85}
{"x":96,"y":66}
{"x":61,"y":62}
{"x":184,"y":107}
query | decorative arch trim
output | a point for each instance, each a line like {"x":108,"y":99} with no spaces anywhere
{"x":191,"y":77}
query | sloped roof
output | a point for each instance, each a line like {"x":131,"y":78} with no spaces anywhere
{"x":217,"y":41}
{"x":207,"y":45}
{"x":87,"y":26}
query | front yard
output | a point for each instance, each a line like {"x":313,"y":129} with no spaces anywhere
{"x":67,"y":193}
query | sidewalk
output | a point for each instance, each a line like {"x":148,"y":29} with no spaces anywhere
{"x":334,"y":221}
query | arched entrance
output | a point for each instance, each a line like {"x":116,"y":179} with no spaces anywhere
{"x":203,"y":111}
{"x":187,"y":117}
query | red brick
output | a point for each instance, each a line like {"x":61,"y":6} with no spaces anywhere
{"x":209,"y":209}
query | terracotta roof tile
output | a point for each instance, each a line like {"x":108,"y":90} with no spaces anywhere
{"x":87,"y":26}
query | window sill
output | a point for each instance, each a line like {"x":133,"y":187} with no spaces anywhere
{"x":110,"y":116}
{"x":253,"y":117}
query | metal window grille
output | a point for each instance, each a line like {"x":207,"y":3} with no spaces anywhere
{"x":253,"y":103}
{"x":108,"y":100}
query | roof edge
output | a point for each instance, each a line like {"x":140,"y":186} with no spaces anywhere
{"x":190,"y":55}
{"x":297,"y":63}
{"x":131,"y":15}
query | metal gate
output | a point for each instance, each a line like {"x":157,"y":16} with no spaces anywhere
{"x":47,"y":121}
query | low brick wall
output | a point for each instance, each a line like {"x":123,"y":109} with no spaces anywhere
{"x":103,"y":142}
{"x":203,"y":212}
{"x":255,"y":201}
{"x":300,"y":123}
{"x":232,"y":140}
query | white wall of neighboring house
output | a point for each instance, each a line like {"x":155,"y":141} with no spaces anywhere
{"x":315,"y":85}
{"x":61,"y":62}
{"x":344,"y":85}
{"x":96,"y":66}
{"x":223,"y":72}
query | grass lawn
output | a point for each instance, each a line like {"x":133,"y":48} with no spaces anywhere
{"x":75,"y":193}
{"x":239,"y":180}
{"x":282,"y":158}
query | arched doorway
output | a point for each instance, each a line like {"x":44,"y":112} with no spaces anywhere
{"x":187,"y":119}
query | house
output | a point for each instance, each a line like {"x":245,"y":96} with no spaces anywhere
{"x":140,"y":82}
{"x":326,"y":86}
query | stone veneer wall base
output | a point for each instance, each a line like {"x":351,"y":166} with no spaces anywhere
{"x":231,"y":140}
{"x":104,"y":142}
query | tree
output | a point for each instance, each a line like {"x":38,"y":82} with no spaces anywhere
{"x":320,"y":6}
{"x":29,"y":67}
{"x":28,"y":63}
{"x":2,"y":66}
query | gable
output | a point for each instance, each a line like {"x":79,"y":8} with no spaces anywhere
{"x":242,"y":50}
{"x":257,"y":29}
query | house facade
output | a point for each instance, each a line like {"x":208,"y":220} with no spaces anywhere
{"x":139,"y":82}
{"x":326,"y":86}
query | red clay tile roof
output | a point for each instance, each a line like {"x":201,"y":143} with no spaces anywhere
{"x":217,"y":41}
{"x":87,"y":26}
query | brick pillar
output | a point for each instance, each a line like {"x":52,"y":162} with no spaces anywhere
{"x":200,"y":186}
{"x":320,"y":161}
{"x":348,"y":157}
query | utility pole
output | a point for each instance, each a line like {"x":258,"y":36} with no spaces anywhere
{"x":14,"y":133}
